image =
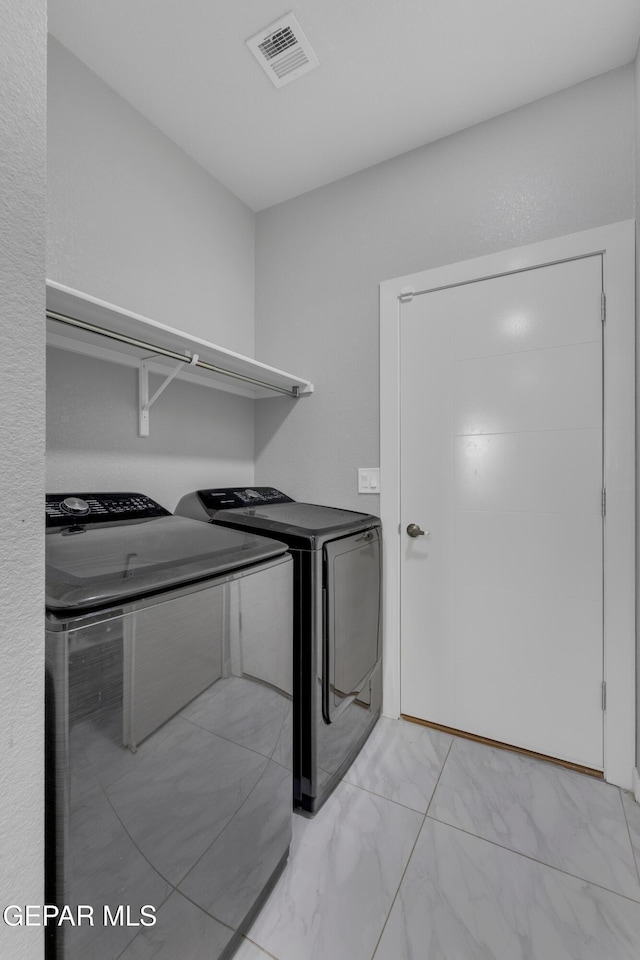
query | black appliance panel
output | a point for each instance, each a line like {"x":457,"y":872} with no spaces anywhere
{"x":305,"y":526}
{"x":97,"y":563}
{"x":337,"y":662}
{"x":63,"y":509}
{"x":168,"y":768}
{"x":168,"y":726}
{"x":228,"y":497}
{"x":351,"y":643}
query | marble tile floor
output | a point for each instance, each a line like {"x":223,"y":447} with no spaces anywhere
{"x":438,"y":848}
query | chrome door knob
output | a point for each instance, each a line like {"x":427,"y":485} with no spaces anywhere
{"x":414,"y":531}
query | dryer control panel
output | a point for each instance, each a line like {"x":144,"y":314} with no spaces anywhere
{"x":226,"y":498}
{"x":63,"y":509}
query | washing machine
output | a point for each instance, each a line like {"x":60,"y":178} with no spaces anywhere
{"x":336,"y":606}
{"x":168,"y":729}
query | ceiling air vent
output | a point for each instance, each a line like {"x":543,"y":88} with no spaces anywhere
{"x":283,"y":51}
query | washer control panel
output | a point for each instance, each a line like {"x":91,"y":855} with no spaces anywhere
{"x":226,"y":498}
{"x":65,"y":508}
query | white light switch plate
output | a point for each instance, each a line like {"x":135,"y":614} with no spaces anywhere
{"x":368,"y":479}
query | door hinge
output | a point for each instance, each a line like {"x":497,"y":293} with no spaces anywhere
{"x":603,"y":306}
{"x":604,"y":695}
{"x":604,"y":502}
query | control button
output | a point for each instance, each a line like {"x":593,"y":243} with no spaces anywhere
{"x":75,"y":506}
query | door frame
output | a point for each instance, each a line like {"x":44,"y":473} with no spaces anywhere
{"x":616,"y":242}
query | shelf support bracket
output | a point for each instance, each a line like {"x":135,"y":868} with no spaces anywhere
{"x":143,"y":386}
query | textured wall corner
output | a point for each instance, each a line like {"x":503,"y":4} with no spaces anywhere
{"x":22,"y":259}
{"x":637,"y":216}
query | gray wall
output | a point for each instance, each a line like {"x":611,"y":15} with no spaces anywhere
{"x":22,"y":255}
{"x":559,"y":165}
{"x":134,"y":221}
{"x":637,"y":128}
{"x":637,"y":216}
{"x":198,"y":437}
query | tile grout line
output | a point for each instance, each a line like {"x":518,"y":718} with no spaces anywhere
{"x":540,"y":863}
{"x":626,"y":820}
{"x":381,"y":796}
{"x":543,"y":863}
{"x":406,"y":806}
{"x":453,"y":740}
{"x":261,"y":949}
{"x":395,"y":896}
{"x":384,"y":925}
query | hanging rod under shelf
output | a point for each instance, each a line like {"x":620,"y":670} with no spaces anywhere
{"x":293,"y":391}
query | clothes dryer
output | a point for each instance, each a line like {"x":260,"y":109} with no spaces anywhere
{"x":168,"y":728}
{"x":336,"y":612}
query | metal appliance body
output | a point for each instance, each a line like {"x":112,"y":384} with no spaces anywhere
{"x":336,"y":613}
{"x":168,"y":728}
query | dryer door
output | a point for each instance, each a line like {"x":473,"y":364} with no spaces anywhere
{"x":351,"y":641}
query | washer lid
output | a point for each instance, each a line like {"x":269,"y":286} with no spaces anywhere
{"x":297,"y":522}
{"x":93,"y":566}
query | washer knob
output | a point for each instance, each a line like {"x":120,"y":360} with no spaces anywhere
{"x":75,"y":506}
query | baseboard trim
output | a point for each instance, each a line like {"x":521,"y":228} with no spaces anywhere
{"x":589,"y":771}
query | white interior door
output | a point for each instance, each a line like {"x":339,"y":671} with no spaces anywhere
{"x":501,"y":466}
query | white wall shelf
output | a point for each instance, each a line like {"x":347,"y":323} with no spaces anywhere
{"x":83,"y":324}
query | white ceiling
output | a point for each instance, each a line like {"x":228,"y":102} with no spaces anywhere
{"x":393,"y":74}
